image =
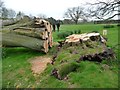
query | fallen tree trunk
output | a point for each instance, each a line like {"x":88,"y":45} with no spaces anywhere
{"x":32,"y":32}
{"x":36,"y":35}
{"x":10,"y":39}
{"x":41,"y":23}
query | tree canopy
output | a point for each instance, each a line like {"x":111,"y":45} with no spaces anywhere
{"x":75,"y":13}
{"x":104,"y":9}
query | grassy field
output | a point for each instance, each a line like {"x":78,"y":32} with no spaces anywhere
{"x":16,"y":70}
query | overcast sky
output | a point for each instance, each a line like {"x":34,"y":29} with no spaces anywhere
{"x":51,"y":8}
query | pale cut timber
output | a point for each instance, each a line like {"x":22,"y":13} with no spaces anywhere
{"x":10,"y":39}
{"x":83,"y":37}
{"x":50,"y":39}
{"x":32,"y":32}
{"x":48,"y":27}
{"x":42,"y":23}
{"x":46,"y":46}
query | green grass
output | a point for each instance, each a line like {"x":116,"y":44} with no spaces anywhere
{"x":16,"y":67}
{"x":90,"y":75}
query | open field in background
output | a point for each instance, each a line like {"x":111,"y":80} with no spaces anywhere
{"x":16,"y":69}
{"x":112,"y":32}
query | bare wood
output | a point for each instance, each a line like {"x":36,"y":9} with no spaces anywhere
{"x":77,"y":37}
{"x":50,"y":39}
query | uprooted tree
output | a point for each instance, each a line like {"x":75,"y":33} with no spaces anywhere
{"x":76,"y":48}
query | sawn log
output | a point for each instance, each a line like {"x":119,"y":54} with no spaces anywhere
{"x":10,"y":39}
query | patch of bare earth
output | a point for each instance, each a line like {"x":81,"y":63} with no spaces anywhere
{"x":39,"y":64}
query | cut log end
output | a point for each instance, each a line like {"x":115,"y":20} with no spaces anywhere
{"x":45,"y":46}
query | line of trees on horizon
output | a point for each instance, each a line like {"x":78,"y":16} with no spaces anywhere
{"x":101,"y":10}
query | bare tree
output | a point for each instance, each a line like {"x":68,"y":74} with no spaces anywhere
{"x":52,"y":20}
{"x":105,"y":10}
{"x":1,"y":4}
{"x":11,"y":13}
{"x":19,"y":15}
{"x":31,"y":16}
{"x":4,"y":12}
{"x":75,"y":13}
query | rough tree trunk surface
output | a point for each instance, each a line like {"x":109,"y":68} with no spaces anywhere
{"x":38,"y":36}
{"x":32,"y":32}
{"x":10,"y":39}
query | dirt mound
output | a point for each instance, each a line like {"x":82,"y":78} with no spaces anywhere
{"x":39,"y":64}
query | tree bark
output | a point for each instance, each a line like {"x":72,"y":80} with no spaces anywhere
{"x":10,"y":39}
{"x":32,"y":32}
{"x":38,"y":36}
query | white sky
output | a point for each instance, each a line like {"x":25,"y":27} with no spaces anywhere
{"x":51,"y":8}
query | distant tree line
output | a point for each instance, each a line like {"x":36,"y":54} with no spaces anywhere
{"x":9,"y":13}
{"x":101,"y":10}
{"x":106,"y":21}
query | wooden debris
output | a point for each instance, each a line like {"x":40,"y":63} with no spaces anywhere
{"x":15,"y":40}
{"x":84,"y":37}
{"x":32,"y":32}
{"x":38,"y":37}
